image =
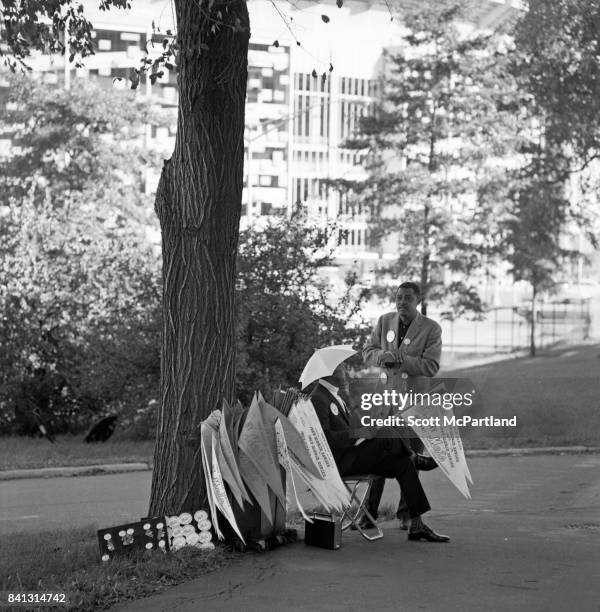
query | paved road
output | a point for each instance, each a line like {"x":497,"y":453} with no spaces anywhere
{"x":514,"y":485}
{"x":45,"y":503}
{"x":528,"y":540}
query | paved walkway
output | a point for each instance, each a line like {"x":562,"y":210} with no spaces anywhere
{"x":529,"y":539}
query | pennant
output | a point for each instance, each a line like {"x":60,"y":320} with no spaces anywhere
{"x":295,"y":443}
{"x":284,"y":460}
{"x":323,"y":497}
{"x":455,"y":433}
{"x":206,"y":441}
{"x":231,"y":416}
{"x":256,"y":443}
{"x":228,"y":461}
{"x":226,"y":473}
{"x":443,"y":444}
{"x":220,"y":494}
{"x":255,"y":484}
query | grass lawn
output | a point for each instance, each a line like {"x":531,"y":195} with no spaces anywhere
{"x":68,"y":561}
{"x":25,"y":452}
{"x":555,"y":397}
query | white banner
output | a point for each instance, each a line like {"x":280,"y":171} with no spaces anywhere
{"x":230,"y":469}
{"x":284,"y":460}
{"x":221,"y":499}
{"x":443,"y":443}
{"x":331,"y":490}
{"x":206,"y":440}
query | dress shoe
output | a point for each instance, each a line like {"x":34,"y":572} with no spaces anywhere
{"x":427,"y":534}
{"x":423,"y":463}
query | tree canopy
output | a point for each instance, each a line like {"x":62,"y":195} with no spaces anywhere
{"x":431,"y":144}
{"x":556,"y":61}
{"x":560,"y":66}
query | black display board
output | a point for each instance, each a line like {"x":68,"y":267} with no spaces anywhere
{"x":148,"y":534}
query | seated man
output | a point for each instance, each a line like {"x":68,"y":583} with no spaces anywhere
{"x":388,"y":457}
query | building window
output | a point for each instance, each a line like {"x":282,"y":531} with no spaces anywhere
{"x":116,"y":41}
{"x":131,"y":36}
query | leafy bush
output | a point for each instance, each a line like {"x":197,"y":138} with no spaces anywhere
{"x":285,"y":309}
{"x":79,"y":282}
{"x":80,"y":320}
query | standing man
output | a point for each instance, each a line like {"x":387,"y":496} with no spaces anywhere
{"x":407,"y":346}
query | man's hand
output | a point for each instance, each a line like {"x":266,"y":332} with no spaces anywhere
{"x":387,"y":357}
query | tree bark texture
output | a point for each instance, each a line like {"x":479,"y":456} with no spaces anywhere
{"x":198,"y":203}
{"x":532,"y":328}
{"x":425,"y":262}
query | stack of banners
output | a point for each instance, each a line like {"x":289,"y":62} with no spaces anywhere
{"x":443,"y":443}
{"x":212,"y":451}
{"x":190,"y":530}
{"x":258,"y":458}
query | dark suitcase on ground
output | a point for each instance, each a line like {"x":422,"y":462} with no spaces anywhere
{"x":324,"y":532}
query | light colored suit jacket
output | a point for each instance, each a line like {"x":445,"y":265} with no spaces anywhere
{"x":420,"y":350}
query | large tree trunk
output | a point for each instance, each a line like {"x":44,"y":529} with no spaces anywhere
{"x":198,"y":203}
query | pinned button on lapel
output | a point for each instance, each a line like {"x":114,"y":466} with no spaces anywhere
{"x":334,"y":409}
{"x":390,"y":336}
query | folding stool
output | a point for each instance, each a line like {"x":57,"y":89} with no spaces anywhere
{"x":357,"y":508}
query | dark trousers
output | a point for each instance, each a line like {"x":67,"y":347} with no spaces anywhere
{"x":417,"y":446}
{"x":387,"y":457}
